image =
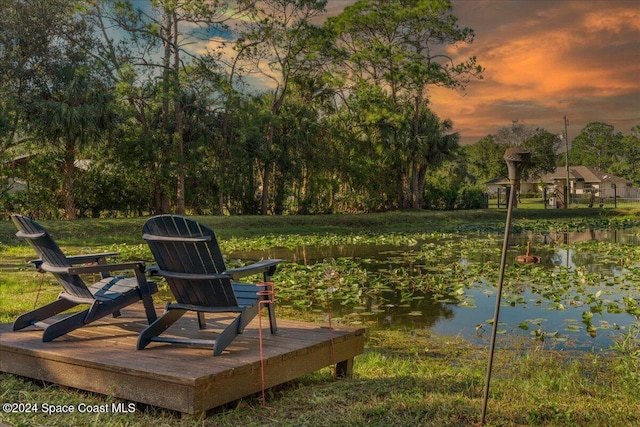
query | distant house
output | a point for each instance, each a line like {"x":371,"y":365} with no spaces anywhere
{"x":12,"y":185}
{"x":497,"y":184}
{"x":15,"y":184}
{"x":582,"y":180}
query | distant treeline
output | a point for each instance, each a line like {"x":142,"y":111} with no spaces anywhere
{"x":208,"y":107}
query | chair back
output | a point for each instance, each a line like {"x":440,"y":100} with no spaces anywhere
{"x":50,"y":253}
{"x":182,"y":245}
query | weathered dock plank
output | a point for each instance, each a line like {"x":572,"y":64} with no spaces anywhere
{"x":102,"y":358}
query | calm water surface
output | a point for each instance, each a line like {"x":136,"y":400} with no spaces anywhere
{"x":530,"y":316}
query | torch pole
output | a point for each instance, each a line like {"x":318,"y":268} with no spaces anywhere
{"x":516,"y":160}
{"x":494,"y":329}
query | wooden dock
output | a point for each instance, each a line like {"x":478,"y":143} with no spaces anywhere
{"x":102,"y":358}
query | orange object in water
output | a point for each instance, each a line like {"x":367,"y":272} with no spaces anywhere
{"x":528,"y":258}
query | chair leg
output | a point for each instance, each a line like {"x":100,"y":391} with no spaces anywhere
{"x":247,"y":315}
{"x":202,"y":322}
{"x":159,"y":326}
{"x":149,"y":309}
{"x":64,"y":326}
{"x":272,"y":317}
{"x":42,"y":313}
{"x":227,"y":336}
{"x":271,"y":305}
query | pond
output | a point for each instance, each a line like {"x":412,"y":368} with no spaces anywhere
{"x":582,"y":294}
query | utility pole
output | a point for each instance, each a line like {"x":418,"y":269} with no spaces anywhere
{"x":566,"y":142}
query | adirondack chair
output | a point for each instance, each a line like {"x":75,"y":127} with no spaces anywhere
{"x":189,"y":258}
{"x":104,"y":297}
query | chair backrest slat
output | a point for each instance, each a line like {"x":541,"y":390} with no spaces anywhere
{"x":49,"y":251}
{"x":183,"y":245}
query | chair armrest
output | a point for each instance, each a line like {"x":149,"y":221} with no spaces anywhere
{"x":88,"y":258}
{"x":153,"y":270}
{"x":48,"y":268}
{"x":267,"y":265}
{"x":37,"y":263}
{"x":105,"y":268}
{"x":193,"y":276}
{"x":75,"y":259}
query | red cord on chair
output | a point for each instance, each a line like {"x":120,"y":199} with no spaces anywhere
{"x":268,"y":297}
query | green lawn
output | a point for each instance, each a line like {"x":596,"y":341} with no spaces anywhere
{"x":405,"y":377}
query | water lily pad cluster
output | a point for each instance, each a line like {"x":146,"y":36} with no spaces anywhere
{"x":602,"y":278}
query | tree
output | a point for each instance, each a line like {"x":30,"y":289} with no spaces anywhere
{"x":141,"y":45}
{"x":544,"y":148}
{"x":485,"y":159}
{"x":432,"y":144}
{"x":51,"y":85}
{"x":26,"y":29}
{"x":628,"y":164}
{"x":515,"y":135}
{"x":542,"y":144}
{"x":399,"y":48}
{"x":596,"y":146}
{"x":275,"y":40}
{"x":74,"y":111}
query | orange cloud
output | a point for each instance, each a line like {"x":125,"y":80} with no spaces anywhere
{"x":544,"y":60}
{"x":618,"y":20}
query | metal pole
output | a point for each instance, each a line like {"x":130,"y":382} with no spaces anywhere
{"x":516,"y":160}
{"x":566,"y":141}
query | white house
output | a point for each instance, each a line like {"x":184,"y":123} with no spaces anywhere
{"x":582,"y":180}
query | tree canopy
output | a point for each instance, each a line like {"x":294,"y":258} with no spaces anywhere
{"x":130,"y":107}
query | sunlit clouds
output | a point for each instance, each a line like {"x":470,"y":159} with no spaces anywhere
{"x":545,"y":60}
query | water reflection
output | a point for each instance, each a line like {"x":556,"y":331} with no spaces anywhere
{"x":422,"y":312}
{"x":308,"y":255}
{"x":560,"y":321}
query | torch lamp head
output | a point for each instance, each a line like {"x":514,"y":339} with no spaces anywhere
{"x":516,"y":159}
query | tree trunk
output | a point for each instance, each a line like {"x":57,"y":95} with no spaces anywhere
{"x":69,"y":181}
{"x":220,"y":203}
{"x":266,"y":178}
{"x":416,"y":193}
{"x":422,"y":174}
{"x":268,"y":165}
{"x":416,"y":188}
{"x":179,"y":131}
{"x":166,"y":63}
{"x":400,"y":189}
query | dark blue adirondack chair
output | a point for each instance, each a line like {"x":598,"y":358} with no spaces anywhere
{"x":189,"y":258}
{"x":104,"y":297}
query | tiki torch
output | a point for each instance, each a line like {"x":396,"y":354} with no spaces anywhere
{"x":516,"y":159}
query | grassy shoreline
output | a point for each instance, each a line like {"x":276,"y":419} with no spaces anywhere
{"x":405,"y":378}
{"x":127,"y":230}
{"x":401,"y":380}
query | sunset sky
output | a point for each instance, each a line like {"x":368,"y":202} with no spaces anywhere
{"x":545,"y":59}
